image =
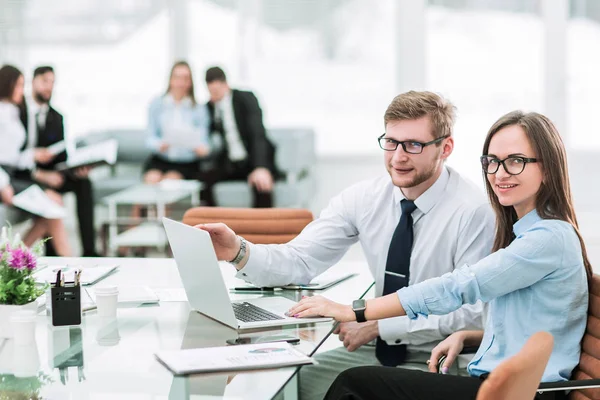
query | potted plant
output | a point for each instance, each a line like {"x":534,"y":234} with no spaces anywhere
{"x":18,"y":290}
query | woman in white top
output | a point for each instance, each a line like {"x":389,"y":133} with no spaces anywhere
{"x":16,"y":165}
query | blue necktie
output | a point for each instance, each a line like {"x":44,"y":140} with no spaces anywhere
{"x":397,"y":272}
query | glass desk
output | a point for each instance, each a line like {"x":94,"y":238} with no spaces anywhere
{"x":114,"y":358}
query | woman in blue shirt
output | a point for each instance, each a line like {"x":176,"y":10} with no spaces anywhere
{"x":177,"y":130}
{"x":536,"y":280}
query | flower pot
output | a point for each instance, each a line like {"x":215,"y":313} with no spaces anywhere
{"x":6,"y":311}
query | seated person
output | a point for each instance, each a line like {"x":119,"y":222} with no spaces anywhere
{"x":539,"y":271}
{"x":247,"y":153}
{"x":17,"y":162}
{"x":169,"y":115}
{"x":45,"y":127}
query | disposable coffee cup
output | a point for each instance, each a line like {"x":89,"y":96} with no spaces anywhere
{"x":23,"y":324}
{"x":106,"y":301}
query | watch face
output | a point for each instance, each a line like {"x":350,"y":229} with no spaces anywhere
{"x":358,"y":305}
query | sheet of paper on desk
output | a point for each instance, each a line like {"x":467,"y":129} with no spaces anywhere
{"x":131,"y":295}
{"x":36,"y":201}
{"x":233,"y":358}
{"x":171,"y":294}
{"x":89,"y":275}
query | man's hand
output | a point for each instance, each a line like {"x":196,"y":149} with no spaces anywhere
{"x":225,"y":241}
{"x":7,"y":195}
{"x":42,"y":155}
{"x":201,"y":151}
{"x":82,"y":172}
{"x":53,"y":179}
{"x":262,"y":179}
{"x":163,"y":147}
{"x":355,"y":334}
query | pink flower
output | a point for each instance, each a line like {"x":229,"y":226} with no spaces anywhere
{"x":18,"y":258}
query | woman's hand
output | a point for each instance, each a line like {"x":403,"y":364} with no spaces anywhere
{"x":7,"y":195}
{"x":318,"y":306}
{"x":202,"y":151}
{"x":163,"y":147}
{"x":449,"y":347}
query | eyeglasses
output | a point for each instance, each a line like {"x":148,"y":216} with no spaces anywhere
{"x":409,"y":146}
{"x":513,"y":165}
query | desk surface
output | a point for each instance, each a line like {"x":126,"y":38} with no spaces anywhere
{"x":115,"y":358}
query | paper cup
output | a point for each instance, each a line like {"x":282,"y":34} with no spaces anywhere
{"x":106,"y":301}
{"x":23,"y":323}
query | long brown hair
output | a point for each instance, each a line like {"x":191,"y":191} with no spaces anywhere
{"x":190,"y":93}
{"x":553,"y":199}
{"x":9,"y":76}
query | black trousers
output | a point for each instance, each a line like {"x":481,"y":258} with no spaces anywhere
{"x":371,"y":383}
{"x":233,"y":171}
{"x":85,"y":213}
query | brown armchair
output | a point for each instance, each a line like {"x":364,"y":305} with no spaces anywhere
{"x":258,"y":225}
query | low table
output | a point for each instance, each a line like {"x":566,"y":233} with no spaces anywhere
{"x":150,"y":232}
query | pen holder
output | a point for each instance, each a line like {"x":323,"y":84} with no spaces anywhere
{"x":66,"y":304}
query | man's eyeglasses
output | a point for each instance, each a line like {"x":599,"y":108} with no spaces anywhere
{"x":409,"y":146}
{"x":513,"y":165}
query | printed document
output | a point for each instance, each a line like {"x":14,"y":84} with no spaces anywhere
{"x":92,"y":155}
{"x":36,"y":201}
{"x":233,"y":358}
{"x":89,"y":275}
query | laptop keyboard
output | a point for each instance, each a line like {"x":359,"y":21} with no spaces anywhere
{"x":247,"y":312}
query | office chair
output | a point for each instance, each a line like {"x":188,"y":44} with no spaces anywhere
{"x":257,"y":225}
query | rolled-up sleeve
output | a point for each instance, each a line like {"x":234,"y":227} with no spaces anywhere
{"x":529,"y":258}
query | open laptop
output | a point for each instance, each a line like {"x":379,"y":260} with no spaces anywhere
{"x":206,"y":291}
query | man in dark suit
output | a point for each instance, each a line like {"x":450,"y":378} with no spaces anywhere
{"x":44,"y":126}
{"x":247,"y":153}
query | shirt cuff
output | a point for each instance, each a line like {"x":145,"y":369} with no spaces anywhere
{"x":254,"y":268}
{"x":394,"y":330}
{"x":412,"y":301}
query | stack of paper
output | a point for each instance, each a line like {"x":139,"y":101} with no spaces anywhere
{"x":232,"y":358}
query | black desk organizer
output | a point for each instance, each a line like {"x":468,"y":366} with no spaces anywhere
{"x":66,"y":304}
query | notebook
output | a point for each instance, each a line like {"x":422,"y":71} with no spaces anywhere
{"x":128,"y":296}
{"x":89,"y":275}
{"x":92,"y":155}
{"x":232,"y":358}
{"x":36,"y":201}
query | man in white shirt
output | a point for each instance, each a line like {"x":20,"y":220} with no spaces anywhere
{"x":423,"y":222}
{"x":247,"y":154}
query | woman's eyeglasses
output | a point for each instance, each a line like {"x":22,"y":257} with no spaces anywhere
{"x":513,"y":165}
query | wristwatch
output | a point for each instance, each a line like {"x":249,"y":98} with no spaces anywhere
{"x":241,"y":253}
{"x":359,"y":307}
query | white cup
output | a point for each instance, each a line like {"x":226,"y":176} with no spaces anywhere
{"x":106,"y":300}
{"x":23,"y":324}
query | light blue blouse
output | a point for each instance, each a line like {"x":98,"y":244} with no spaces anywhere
{"x":164,"y":114}
{"x":537,"y":283}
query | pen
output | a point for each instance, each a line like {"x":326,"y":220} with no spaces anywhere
{"x":252,"y":289}
{"x":395,"y":274}
{"x":58,"y":276}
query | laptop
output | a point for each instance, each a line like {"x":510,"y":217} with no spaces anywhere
{"x":205,"y":288}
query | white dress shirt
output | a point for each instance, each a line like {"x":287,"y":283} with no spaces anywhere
{"x":12,"y":136}
{"x":36,"y":116}
{"x":453,"y":225}
{"x":224,"y":110}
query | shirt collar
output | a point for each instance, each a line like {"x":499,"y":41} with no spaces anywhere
{"x":33,"y":107}
{"x":186,"y":101}
{"x":526,"y":222}
{"x":431,"y":196}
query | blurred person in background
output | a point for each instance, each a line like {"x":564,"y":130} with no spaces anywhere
{"x":44,"y":127}
{"x":17,"y":162}
{"x":169,"y":115}
{"x":247,"y":154}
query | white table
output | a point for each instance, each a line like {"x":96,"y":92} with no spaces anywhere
{"x":115,"y":359}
